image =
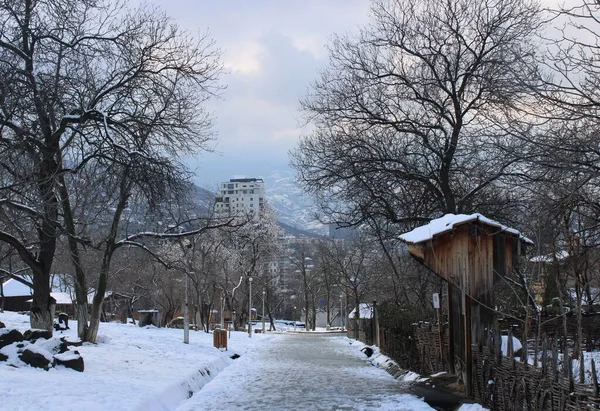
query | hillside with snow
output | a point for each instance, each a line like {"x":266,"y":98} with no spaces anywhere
{"x":292,"y":205}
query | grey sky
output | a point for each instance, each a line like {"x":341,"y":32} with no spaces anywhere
{"x":272,"y":50}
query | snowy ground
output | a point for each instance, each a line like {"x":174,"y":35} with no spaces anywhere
{"x":150,"y":369}
{"x":305,"y":372}
{"x":131,"y":368}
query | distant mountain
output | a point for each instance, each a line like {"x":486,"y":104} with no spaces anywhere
{"x":296,"y":232}
{"x":294,"y":208}
{"x":200,"y":199}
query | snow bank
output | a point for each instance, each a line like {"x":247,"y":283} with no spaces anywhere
{"x":366,"y":311}
{"x":472,"y":407}
{"x":131,"y":368}
{"x":516,"y":345}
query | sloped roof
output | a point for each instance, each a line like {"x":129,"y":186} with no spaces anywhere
{"x":366,"y":311}
{"x":449,"y":222}
{"x":61,"y":298}
{"x":13,"y":288}
{"x":560,"y":255}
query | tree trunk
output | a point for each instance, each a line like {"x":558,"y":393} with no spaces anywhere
{"x":2,"y":294}
{"x":356,"y":317}
{"x":43,"y":305}
{"x":328,"y":311}
{"x":81,"y":298}
{"x":92,"y":331}
{"x":81,"y":312}
{"x":130,"y":311}
{"x":314,"y":314}
{"x":271,"y":320}
{"x":110,"y":248}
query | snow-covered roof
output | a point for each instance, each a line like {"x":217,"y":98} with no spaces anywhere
{"x":14,"y":288}
{"x":448,"y":222}
{"x":61,"y":298}
{"x":366,"y":311}
{"x":560,"y":255}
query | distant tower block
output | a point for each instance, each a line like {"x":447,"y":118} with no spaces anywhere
{"x":240,"y":196}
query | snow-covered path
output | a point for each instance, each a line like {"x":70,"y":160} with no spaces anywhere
{"x":303,"y":372}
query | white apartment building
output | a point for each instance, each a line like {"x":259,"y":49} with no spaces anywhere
{"x":239,"y":196}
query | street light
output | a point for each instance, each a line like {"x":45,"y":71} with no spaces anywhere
{"x":232,"y":299}
{"x":222,"y":309}
{"x":186,"y":315}
{"x":263,"y":314}
{"x":250,"y":306}
{"x":232,"y":321}
{"x":341,"y":310}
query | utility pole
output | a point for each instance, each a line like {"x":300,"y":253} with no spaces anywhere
{"x":341,"y":311}
{"x":263,"y":314}
{"x":231,"y":305}
{"x":186,"y":316}
{"x":250,"y":306}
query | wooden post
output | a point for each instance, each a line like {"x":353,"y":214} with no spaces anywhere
{"x":376,"y":338}
{"x":438,"y":309}
{"x":569,"y":364}
{"x":468,"y":346}
{"x":511,"y":350}
{"x":525,"y":335}
{"x":594,"y":378}
{"x":536,"y":350}
{"x":554,"y":360}
{"x":581,"y":367}
{"x":498,"y":343}
{"x":544,"y":354}
{"x":451,"y":330}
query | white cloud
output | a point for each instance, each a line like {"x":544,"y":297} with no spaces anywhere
{"x":244,"y":59}
{"x":272,"y":49}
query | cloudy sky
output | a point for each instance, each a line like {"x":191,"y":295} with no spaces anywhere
{"x":272,"y":50}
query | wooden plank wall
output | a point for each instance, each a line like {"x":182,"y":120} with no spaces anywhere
{"x":468,"y":258}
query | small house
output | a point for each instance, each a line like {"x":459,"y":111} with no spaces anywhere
{"x":15,"y":296}
{"x":471,"y":253}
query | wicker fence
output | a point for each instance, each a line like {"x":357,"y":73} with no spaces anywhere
{"x":503,"y":382}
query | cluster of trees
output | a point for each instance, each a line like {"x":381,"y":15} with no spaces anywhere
{"x":97,"y":105}
{"x":216,"y":264}
{"x":333,"y":276}
{"x":465,"y":106}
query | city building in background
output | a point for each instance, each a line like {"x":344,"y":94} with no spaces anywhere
{"x":240,"y":196}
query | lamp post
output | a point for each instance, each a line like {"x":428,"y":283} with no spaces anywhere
{"x":186,"y":315}
{"x":341,"y":310}
{"x":263,"y":314}
{"x":222,"y":309}
{"x":250,"y":306}
{"x":232,"y":321}
{"x":231,"y":305}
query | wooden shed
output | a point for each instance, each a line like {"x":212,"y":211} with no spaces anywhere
{"x":15,"y":295}
{"x":470,"y":252}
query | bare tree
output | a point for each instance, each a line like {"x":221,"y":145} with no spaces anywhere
{"x":250,"y":248}
{"x":308,"y":277}
{"x":93,"y":86}
{"x":358,"y":264}
{"x":407,"y":115}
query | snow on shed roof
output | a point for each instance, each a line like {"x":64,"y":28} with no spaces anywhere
{"x":366,"y":311}
{"x":14,"y":288}
{"x":560,"y":255}
{"x":60,"y":297}
{"x":448,"y":222}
